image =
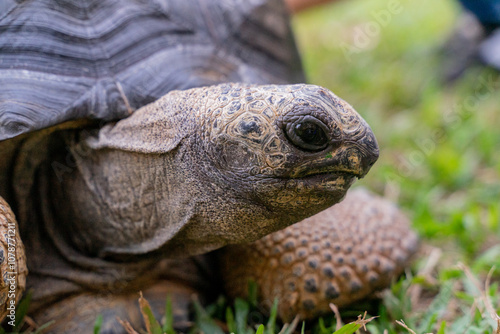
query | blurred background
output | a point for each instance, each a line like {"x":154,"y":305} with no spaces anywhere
{"x":438,"y":130}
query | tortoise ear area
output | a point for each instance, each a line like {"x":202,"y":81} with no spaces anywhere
{"x":158,"y":128}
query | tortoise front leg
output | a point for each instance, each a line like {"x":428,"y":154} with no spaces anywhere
{"x":13,"y":268}
{"x":339,"y":256}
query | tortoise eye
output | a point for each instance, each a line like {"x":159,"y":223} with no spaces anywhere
{"x":308,"y":133}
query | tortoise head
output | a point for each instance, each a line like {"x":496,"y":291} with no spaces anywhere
{"x":294,"y":149}
{"x":206,"y":167}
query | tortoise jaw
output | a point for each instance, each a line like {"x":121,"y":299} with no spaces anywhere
{"x":308,"y":173}
{"x":335,"y":180}
{"x":334,"y":184}
{"x":329,"y":166}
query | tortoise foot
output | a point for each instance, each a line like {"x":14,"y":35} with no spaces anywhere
{"x":78,"y":314}
{"x":339,"y":256}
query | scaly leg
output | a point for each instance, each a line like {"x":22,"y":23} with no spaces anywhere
{"x":13,"y":268}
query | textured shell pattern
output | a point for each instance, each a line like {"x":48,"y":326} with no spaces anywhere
{"x":65,"y":60}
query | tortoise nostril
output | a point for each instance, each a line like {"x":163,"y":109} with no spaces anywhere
{"x":370,"y":151}
{"x":371,"y":146}
{"x":372,"y":158}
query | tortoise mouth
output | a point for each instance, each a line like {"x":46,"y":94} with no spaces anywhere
{"x":327,"y":184}
{"x":325,"y":173}
{"x":341,"y":163}
{"x":310,"y":172}
{"x":335,"y":180}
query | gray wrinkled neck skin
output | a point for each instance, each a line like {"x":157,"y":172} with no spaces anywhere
{"x":145,"y":185}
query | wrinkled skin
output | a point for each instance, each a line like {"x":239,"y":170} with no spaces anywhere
{"x":190,"y":173}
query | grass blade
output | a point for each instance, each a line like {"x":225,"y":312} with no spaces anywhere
{"x":152,"y":325}
{"x":204,"y":322}
{"x":241,"y":309}
{"x":168,"y":326}
{"x":231,"y":324}
{"x":271,"y":323}
{"x":348,"y":329}
{"x":98,"y":324}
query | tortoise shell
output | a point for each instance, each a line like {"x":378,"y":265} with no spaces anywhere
{"x":65,"y":60}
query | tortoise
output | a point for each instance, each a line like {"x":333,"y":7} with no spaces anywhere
{"x":139,"y":136}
